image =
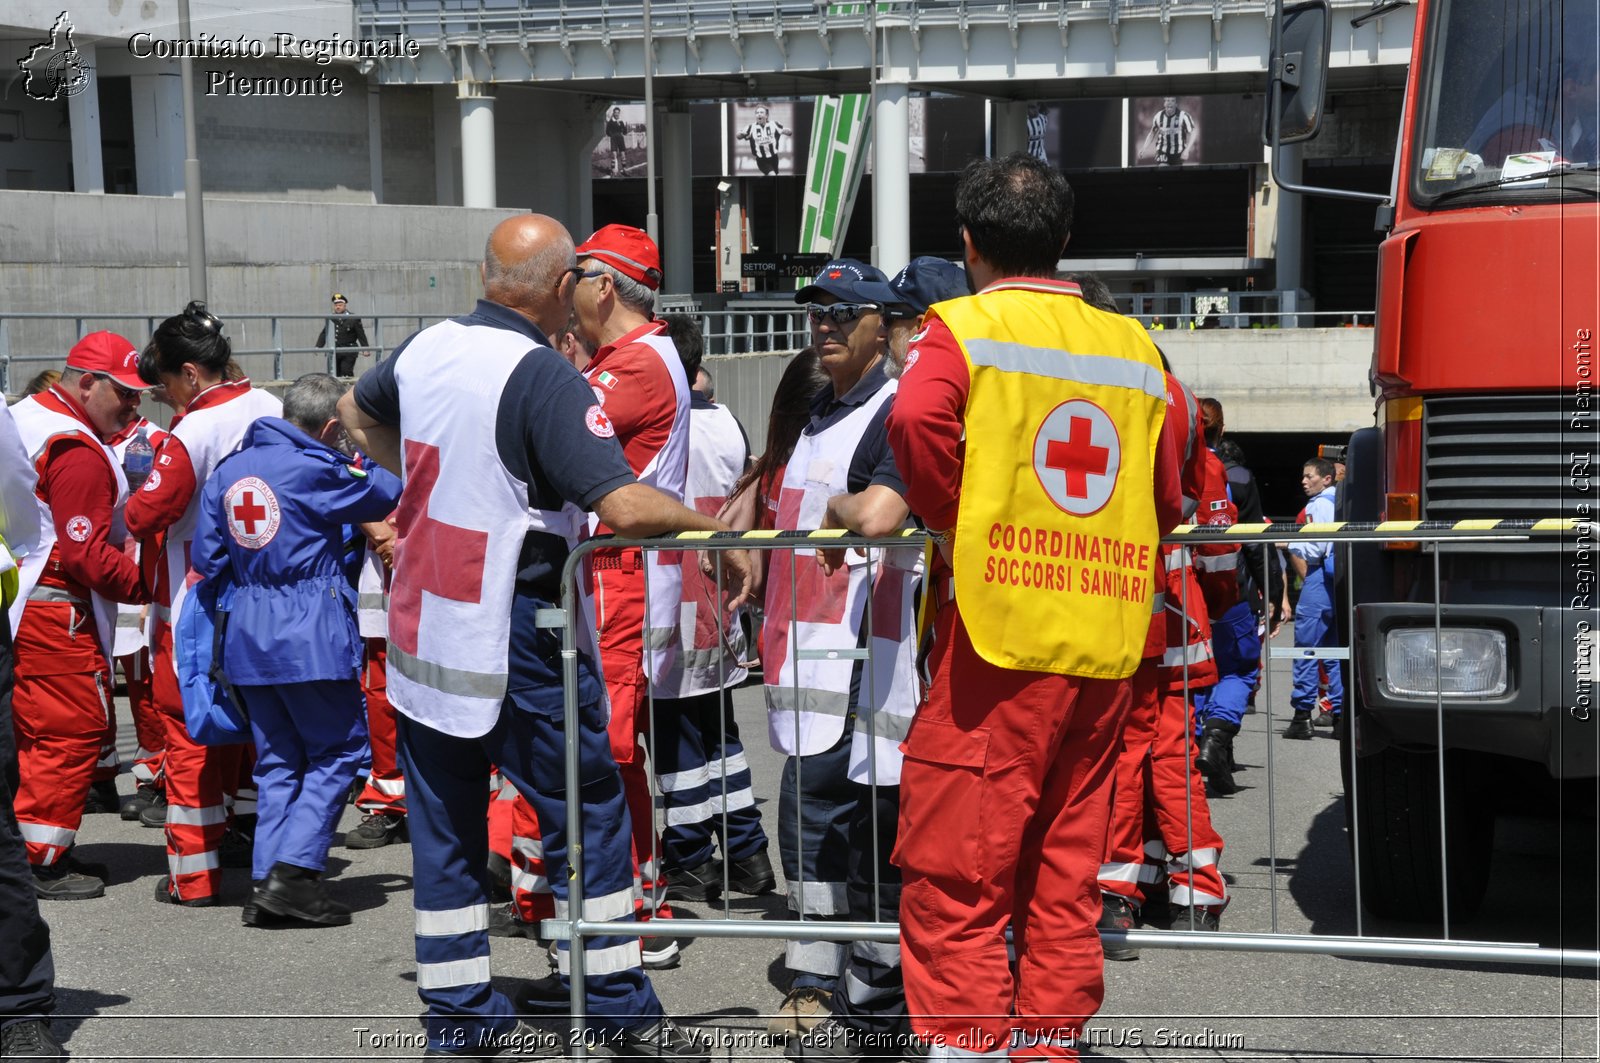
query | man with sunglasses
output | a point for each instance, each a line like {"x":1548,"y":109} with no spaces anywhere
{"x":841,"y":720}
{"x":64,"y":618}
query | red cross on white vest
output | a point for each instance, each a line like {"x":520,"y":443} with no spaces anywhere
{"x":430,"y":555}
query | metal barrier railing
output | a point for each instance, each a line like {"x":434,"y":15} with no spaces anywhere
{"x":1429,"y":534}
{"x":265,"y":345}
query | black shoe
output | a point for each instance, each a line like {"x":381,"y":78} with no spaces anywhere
{"x":103,"y":797}
{"x":164,"y":895}
{"x":499,"y":879}
{"x":30,"y":1039}
{"x":1204,"y":919}
{"x":752,"y":874}
{"x":543,"y":994}
{"x":356,"y":787}
{"x":1300,"y":726}
{"x":299,"y":893}
{"x":376,"y":830}
{"x":701,"y":884}
{"x":1215,"y":759}
{"x":62,"y":882}
{"x":661,"y":1039}
{"x":1116,"y":914}
{"x":504,"y":922}
{"x":155,"y":814}
{"x":145,"y":796}
{"x":1338,"y":726}
{"x":237,"y":848}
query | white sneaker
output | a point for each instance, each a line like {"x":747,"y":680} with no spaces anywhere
{"x":659,"y":953}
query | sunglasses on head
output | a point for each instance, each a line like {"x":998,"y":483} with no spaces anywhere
{"x":839,"y":313}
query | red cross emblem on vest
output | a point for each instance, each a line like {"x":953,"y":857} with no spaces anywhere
{"x":252,"y":512}
{"x":1077,"y":456}
{"x":443,"y":559}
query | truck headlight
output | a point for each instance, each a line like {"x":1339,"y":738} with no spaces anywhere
{"x":1472,"y":664}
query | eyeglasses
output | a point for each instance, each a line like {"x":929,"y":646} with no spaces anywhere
{"x":125,"y":394}
{"x":838,"y":313}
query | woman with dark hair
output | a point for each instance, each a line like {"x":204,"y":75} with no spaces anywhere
{"x":791,"y":411}
{"x":190,"y":357}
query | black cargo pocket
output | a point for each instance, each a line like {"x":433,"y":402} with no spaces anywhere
{"x":941,"y":802}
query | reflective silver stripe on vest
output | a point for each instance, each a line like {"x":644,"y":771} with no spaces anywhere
{"x":55,"y":594}
{"x":884,"y":727}
{"x":128,"y":620}
{"x":1228,"y":562}
{"x":439,"y":677}
{"x":788,"y":698}
{"x":1103,"y":369}
{"x":379,"y":602}
{"x":163,"y":612}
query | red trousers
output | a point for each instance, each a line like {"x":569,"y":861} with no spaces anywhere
{"x":1004,"y":799}
{"x":61,"y":713}
{"x":199,"y":781}
{"x":619,"y":598}
{"x":147,"y":725}
{"x":385,"y":790}
{"x":1158,"y":785}
{"x":530,"y":886}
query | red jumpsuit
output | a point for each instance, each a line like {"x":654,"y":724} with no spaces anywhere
{"x":62,"y":703}
{"x":1015,"y":838}
{"x":1161,"y":827}
{"x":148,"y":765}
{"x":202,"y":781}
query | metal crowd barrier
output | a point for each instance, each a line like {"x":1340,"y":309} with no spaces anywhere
{"x":264,"y":345}
{"x":574,"y":928}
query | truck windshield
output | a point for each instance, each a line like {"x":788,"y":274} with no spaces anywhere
{"x":1508,"y":101}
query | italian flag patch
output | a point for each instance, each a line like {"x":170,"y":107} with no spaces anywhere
{"x":607,"y":380}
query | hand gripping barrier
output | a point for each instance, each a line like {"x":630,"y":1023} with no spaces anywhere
{"x":1429,"y":535}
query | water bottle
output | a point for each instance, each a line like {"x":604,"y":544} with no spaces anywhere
{"x":137,"y":460}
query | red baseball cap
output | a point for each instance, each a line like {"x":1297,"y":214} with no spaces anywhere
{"x":627,"y":250}
{"x":108,"y":354}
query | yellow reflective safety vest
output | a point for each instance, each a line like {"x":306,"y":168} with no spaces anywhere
{"x":1056,"y":537}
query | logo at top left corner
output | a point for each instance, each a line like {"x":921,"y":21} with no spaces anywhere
{"x":253,"y":513}
{"x":54,"y":69}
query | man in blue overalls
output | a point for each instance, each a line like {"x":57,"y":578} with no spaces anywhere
{"x":271,"y":542}
{"x":1313,"y":617}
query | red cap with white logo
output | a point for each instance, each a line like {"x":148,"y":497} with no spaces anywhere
{"x":108,"y":354}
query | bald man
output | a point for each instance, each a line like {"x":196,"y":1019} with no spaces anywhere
{"x":503,"y":449}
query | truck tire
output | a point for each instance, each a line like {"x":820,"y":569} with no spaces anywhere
{"x":1398,"y":816}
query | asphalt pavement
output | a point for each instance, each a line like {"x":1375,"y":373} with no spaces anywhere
{"x":141,"y":980}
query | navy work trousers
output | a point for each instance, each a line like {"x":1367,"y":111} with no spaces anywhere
{"x":27,"y":972}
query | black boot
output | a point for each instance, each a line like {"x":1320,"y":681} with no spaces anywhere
{"x":1215,"y":759}
{"x":1117,"y":914}
{"x":299,"y":893}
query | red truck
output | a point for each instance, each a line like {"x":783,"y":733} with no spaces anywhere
{"x":1485,"y":373}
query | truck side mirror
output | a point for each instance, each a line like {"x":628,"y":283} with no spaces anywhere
{"x":1298,"y":71}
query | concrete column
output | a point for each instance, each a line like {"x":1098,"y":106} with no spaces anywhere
{"x":446,"y":147}
{"x":158,"y":133}
{"x":1290,"y":217}
{"x":677,"y":217}
{"x":375,"y":140}
{"x":1010,"y":118}
{"x":83,"y":115}
{"x":477,"y":144}
{"x":891,"y":178}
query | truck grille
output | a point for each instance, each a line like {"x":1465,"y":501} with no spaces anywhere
{"x":1507,"y":456}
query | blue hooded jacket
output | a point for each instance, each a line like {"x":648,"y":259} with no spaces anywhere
{"x":271,"y":525}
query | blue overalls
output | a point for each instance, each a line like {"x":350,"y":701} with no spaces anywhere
{"x":1313,"y":616}
{"x":271,"y":524}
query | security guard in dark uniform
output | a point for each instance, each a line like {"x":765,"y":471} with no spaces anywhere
{"x":348,"y":335}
